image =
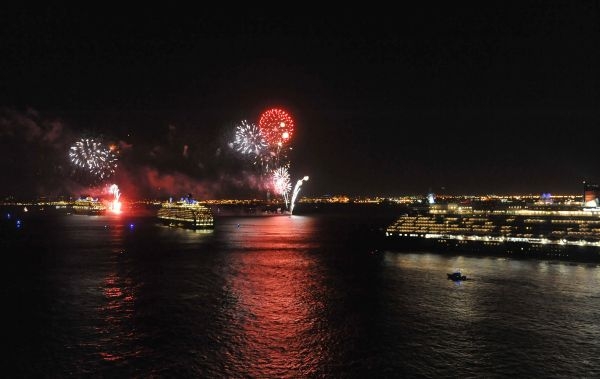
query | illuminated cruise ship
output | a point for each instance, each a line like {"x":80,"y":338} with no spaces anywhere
{"x":88,"y":206}
{"x":186,"y":213}
{"x":541,"y":230}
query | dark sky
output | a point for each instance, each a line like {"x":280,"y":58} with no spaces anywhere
{"x":484,"y":98}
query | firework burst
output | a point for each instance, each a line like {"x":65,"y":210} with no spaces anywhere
{"x":277,"y":126}
{"x":249,"y":139}
{"x":94,"y":158}
{"x":281,"y":183}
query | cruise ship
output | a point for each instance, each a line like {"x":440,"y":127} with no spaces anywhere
{"x":88,"y":205}
{"x":555,"y":231}
{"x":186,"y":212}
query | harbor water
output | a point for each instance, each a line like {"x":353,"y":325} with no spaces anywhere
{"x":308,"y":295}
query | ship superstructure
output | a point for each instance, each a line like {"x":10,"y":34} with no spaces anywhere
{"x":549,"y":230}
{"x":88,"y":205}
{"x":186,"y":213}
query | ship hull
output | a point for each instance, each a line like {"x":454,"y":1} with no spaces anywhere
{"x":89,"y":212}
{"x":505,"y":249}
{"x":184,"y":224}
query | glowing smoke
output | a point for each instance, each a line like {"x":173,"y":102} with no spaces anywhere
{"x":178,"y":162}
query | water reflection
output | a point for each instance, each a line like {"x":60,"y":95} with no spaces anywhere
{"x":115,"y":330}
{"x":183,"y":236}
{"x":489,"y":318}
{"x":283,"y":297}
{"x":269,"y":233}
{"x":277,"y":300}
{"x":456,"y":301}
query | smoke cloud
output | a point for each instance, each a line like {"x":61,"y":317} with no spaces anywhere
{"x":35,"y":162}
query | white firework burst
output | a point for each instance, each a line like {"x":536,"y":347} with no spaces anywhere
{"x":93,"y":157}
{"x":281,"y":183}
{"x":249,"y":139}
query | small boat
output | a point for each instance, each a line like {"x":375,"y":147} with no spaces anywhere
{"x":456,"y":276}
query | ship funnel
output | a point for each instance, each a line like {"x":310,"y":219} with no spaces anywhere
{"x":590,"y":195}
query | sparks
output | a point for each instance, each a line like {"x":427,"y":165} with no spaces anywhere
{"x":94,"y":158}
{"x":281,"y":183}
{"x":296,"y":190}
{"x":115,"y":206}
{"x":277,"y":126}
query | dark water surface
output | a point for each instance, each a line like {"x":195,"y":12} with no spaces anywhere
{"x":279,"y":296}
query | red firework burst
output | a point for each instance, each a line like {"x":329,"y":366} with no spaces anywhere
{"x":277,"y":126}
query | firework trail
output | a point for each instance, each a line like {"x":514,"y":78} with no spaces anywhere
{"x":93,"y":157}
{"x":281,"y":183}
{"x":296,"y":190}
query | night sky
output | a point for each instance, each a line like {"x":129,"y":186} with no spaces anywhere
{"x":460,"y":100}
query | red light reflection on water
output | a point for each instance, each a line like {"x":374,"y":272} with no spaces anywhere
{"x":109,"y":357}
{"x":115,"y":313}
{"x":117,"y":307}
{"x":111,"y":290}
{"x":278,"y":297}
